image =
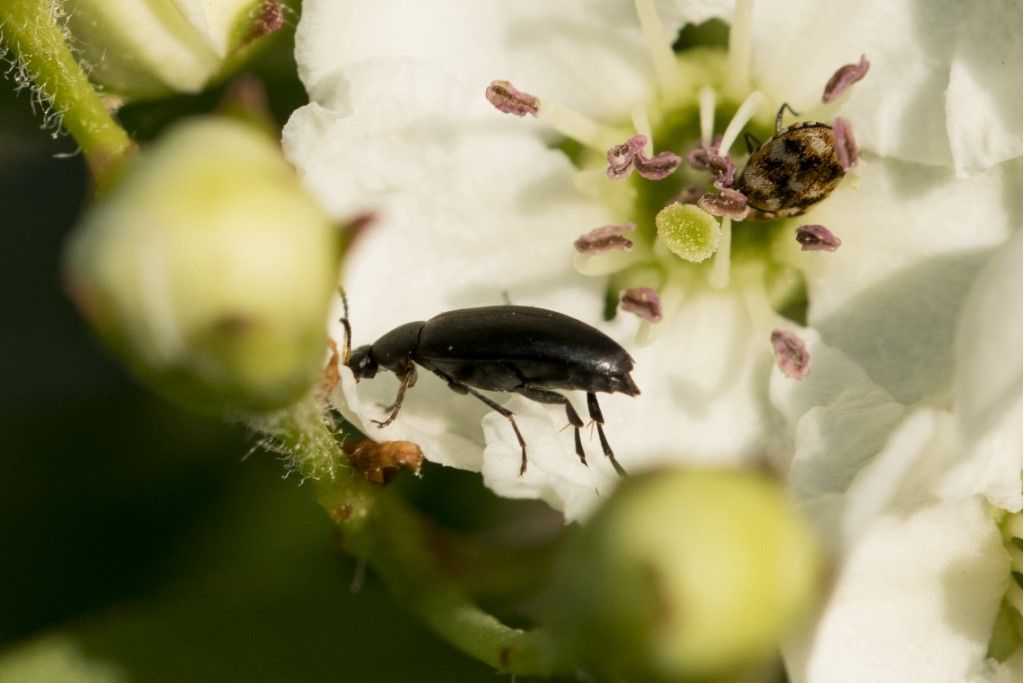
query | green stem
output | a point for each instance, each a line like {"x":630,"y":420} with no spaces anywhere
{"x":32,"y":30}
{"x":382,"y":528}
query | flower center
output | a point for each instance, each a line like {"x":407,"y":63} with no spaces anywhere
{"x":668,"y":177}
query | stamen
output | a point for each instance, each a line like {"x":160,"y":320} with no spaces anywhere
{"x":739,"y":46}
{"x":508,"y":99}
{"x":843,"y":78}
{"x":706,"y":97}
{"x":751,"y":105}
{"x":672,"y":296}
{"x":718,"y":276}
{"x":791,"y":354}
{"x":605,"y":238}
{"x":729,"y":203}
{"x":643,"y":127}
{"x":644,"y":302}
{"x":710,"y":159}
{"x":268,"y":19}
{"x":621,"y":157}
{"x":660,"y":47}
{"x":657,"y":167}
{"x":816,"y":238}
{"x":845,"y":145}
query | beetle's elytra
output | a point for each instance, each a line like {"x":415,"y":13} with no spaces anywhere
{"x":795,"y":169}
{"x":520,"y":349}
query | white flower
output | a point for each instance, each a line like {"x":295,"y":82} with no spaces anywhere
{"x":475,"y":205}
{"x":913,"y":504}
{"x":155,"y":47}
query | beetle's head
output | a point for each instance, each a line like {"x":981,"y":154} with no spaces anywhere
{"x":362,"y":363}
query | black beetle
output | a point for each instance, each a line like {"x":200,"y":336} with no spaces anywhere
{"x":520,"y":349}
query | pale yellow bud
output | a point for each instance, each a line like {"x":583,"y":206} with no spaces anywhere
{"x":210,"y":269}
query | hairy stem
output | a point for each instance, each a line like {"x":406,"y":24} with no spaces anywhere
{"x":31,"y":29}
{"x":381,"y":528}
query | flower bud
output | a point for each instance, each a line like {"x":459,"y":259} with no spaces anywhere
{"x":683,"y":574}
{"x":149,"y":48}
{"x":210,"y":270}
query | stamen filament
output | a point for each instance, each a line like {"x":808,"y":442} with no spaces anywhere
{"x":672,"y":296}
{"x":707,"y":115}
{"x":660,"y":47}
{"x":740,"y":46}
{"x":718,"y":275}
{"x":643,"y":127}
{"x":608,"y":262}
{"x":579,"y":127}
{"x":748,"y":110}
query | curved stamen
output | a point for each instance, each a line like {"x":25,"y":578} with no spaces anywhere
{"x":659,"y":45}
{"x":508,"y":99}
{"x":843,"y":78}
{"x":740,"y":45}
{"x":706,"y":98}
{"x":846,"y":147}
{"x":751,"y":105}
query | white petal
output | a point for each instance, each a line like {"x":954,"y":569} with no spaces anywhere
{"x":566,"y":51}
{"x":897,"y":110}
{"x":468,"y":212}
{"x":838,"y":416}
{"x":988,"y":382}
{"x":913,"y":241}
{"x":215,"y":20}
{"x":914,"y":601}
{"x":983,"y":101}
{"x":677,"y":13}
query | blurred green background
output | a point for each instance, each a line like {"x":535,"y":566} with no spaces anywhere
{"x":136,"y":541}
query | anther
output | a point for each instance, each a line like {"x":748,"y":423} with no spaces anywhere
{"x":266,"y":20}
{"x":816,"y":238}
{"x":657,"y":167}
{"x":791,"y":354}
{"x":605,"y":238}
{"x":624,"y":158}
{"x":729,"y":203}
{"x":845,"y":144}
{"x":843,"y":78}
{"x":621,"y":157}
{"x":507,"y":99}
{"x":711,"y":159}
{"x":644,"y":302}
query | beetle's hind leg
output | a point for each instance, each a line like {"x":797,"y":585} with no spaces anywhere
{"x":460,"y":388}
{"x":597,"y":417}
{"x":544,"y":396}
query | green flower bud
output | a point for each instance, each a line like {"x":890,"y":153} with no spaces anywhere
{"x":210,"y":270}
{"x":681,"y":575}
{"x":149,"y":48}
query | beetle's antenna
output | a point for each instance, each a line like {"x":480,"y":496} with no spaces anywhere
{"x":348,"y":327}
{"x":778,"y":117}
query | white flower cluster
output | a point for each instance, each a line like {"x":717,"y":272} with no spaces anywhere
{"x":902,"y":442}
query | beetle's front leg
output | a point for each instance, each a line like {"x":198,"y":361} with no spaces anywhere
{"x":407,"y":379}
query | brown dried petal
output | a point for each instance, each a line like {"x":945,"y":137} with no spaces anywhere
{"x":379,"y":462}
{"x":644,"y":302}
{"x":843,"y":78}
{"x":507,"y":99}
{"x":791,"y":354}
{"x":605,"y":238}
{"x":816,"y":238}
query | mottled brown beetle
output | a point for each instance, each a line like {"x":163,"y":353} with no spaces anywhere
{"x":792,"y":171}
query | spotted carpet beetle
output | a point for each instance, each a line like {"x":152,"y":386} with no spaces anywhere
{"x":793,"y":170}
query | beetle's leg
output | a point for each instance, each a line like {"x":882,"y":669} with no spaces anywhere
{"x":460,"y":388}
{"x":752,"y":142}
{"x":543,"y":396}
{"x":596,"y":416}
{"x":408,"y":378}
